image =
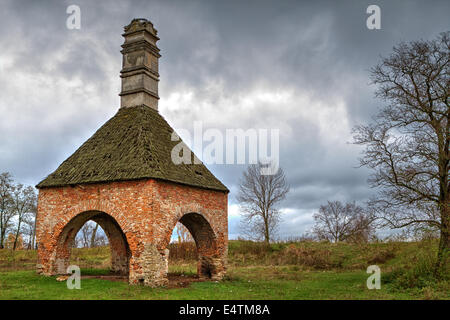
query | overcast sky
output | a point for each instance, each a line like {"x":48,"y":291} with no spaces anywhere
{"x":298,"y":66}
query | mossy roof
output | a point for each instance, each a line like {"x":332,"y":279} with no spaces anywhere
{"x":134,"y":144}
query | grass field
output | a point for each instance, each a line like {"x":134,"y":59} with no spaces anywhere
{"x":298,"y":270}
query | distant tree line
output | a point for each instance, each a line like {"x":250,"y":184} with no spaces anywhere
{"x":18,"y":204}
{"x":18,"y":207}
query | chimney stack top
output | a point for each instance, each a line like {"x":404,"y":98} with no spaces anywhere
{"x":140,"y":24}
{"x":140,"y":70}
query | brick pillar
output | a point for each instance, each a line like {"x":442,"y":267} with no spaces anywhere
{"x":150,"y":267}
{"x":211,"y":264}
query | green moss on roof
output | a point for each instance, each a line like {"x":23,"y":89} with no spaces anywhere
{"x":134,"y":144}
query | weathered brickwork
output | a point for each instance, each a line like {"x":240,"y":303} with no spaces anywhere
{"x":138,"y":218}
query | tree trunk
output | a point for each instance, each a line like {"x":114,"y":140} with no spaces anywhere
{"x":30,"y":240}
{"x":267,"y":239}
{"x":2,"y":236}
{"x":33,"y":239}
{"x":266,"y":230}
{"x":444,"y":242}
{"x":17,"y":235}
{"x":94,"y":233}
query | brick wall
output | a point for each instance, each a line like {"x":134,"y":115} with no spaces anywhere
{"x":138,"y":218}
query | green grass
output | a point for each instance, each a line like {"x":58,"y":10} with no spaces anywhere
{"x":243,"y":283}
{"x":302,"y":270}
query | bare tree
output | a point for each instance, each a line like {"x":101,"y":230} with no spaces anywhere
{"x":24,"y":202}
{"x":407,"y":145}
{"x":29,"y":229}
{"x":259,"y":196}
{"x":183,"y":233}
{"x":363,"y":229}
{"x":100,"y":239}
{"x":90,"y":236}
{"x":83,"y":238}
{"x":93,"y":236}
{"x":6,"y":212}
{"x":336,"y":222}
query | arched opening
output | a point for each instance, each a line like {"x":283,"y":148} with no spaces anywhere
{"x":119,"y":249}
{"x":198,"y":245}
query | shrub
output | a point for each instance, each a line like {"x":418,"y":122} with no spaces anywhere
{"x":420,"y":273}
{"x":183,"y":251}
{"x":381,"y":256}
{"x":309,"y":257}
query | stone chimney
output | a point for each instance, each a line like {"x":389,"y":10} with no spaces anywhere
{"x":140,"y":65}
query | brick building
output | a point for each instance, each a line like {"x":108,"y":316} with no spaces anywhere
{"x":123,"y":178}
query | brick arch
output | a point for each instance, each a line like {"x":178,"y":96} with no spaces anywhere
{"x":206,"y":240}
{"x":97,"y":205}
{"x":120,"y":250}
{"x":199,"y":227}
{"x":179,"y":214}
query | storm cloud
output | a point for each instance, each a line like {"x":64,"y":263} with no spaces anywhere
{"x":298,"y":66}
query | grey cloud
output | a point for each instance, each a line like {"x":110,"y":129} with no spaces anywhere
{"x":321,"y":49}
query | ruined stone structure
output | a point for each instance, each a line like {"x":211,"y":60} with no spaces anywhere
{"x":123,"y":178}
